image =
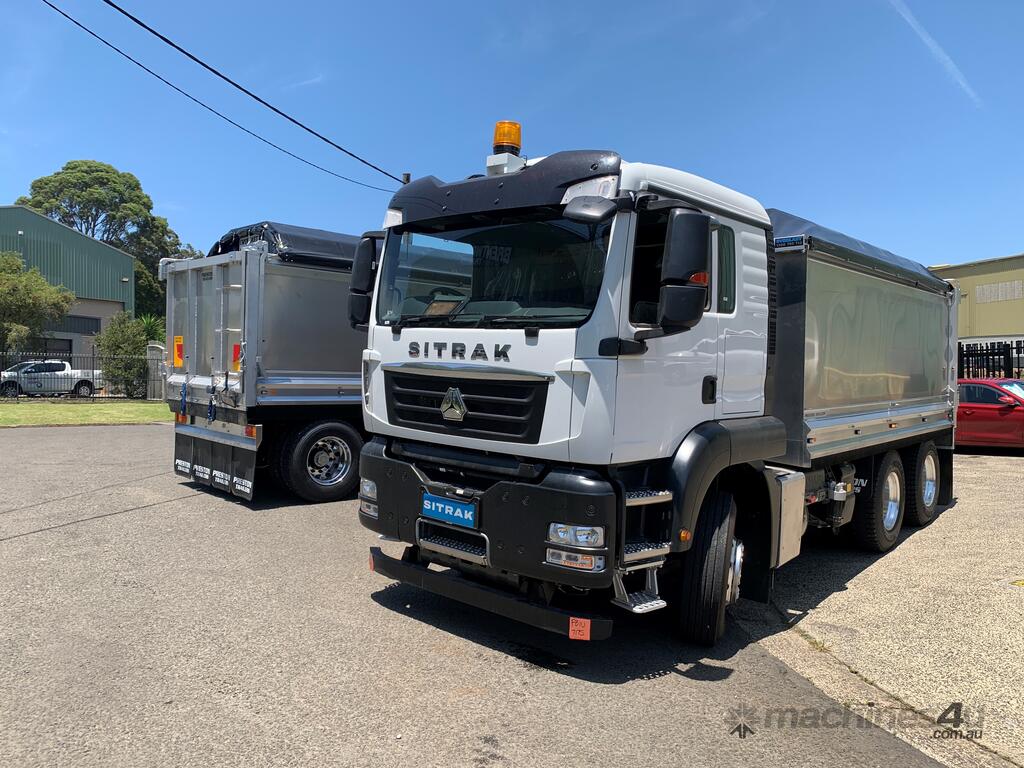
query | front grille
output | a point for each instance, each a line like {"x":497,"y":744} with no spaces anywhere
{"x":512,"y":411}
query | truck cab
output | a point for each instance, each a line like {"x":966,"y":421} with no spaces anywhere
{"x":572,"y":385}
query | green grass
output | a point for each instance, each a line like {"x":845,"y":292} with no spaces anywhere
{"x":33,"y":412}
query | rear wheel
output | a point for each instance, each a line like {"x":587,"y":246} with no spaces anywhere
{"x":320,"y":462}
{"x":83,"y":389}
{"x":922,"y":467}
{"x":710,"y":577}
{"x":878,"y":516}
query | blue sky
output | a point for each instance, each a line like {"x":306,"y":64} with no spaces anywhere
{"x":896,"y":121}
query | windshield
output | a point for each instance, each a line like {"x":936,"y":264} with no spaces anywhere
{"x":539,"y":269}
{"x":1016,"y":387}
{"x":18,"y":367}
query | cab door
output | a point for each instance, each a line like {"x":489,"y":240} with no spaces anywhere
{"x":33,"y":379}
{"x":665,"y":391}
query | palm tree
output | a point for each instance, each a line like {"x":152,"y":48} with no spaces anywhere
{"x":154,"y":327}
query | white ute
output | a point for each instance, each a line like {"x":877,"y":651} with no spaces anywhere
{"x":49,"y":377}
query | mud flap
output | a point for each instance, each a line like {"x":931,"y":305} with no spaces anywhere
{"x":228,"y":468}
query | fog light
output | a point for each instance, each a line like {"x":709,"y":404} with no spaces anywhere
{"x":576,"y":535}
{"x":575,"y":560}
{"x":368,"y":488}
{"x":368,"y":508}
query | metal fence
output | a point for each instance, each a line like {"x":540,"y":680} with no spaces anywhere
{"x":994,"y":360}
{"x":81,"y":376}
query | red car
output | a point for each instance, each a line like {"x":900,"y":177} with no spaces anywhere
{"x":991,"y":412}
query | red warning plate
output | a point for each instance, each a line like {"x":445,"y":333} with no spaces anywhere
{"x":579,"y":629}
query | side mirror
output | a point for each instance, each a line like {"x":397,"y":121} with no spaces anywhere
{"x":687,"y":246}
{"x":680,"y":307}
{"x":1007,"y":400}
{"x":685,"y":266}
{"x":590,"y":209}
{"x":364,"y":265}
{"x":364,"y":272}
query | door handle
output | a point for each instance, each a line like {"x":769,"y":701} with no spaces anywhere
{"x":709,"y":390}
{"x":968,"y":412}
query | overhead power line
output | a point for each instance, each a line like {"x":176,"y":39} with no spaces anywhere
{"x":246,"y":91}
{"x":207,"y":107}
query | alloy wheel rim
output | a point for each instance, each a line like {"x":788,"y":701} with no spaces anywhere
{"x":891,"y":496}
{"x":929,"y":479}
{"x":735,"y":570}
{"x":328,"y":461}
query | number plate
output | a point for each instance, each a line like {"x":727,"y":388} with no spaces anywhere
{"x":445,"y":510}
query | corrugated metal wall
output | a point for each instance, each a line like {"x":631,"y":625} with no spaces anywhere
{"x":89,"y":268}
{"x":991,"y":297}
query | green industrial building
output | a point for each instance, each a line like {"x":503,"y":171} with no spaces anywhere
{"x":101,"y":277}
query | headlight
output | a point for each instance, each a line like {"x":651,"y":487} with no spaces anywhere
{"x":368,"y":489}
{"x":576,"y":535}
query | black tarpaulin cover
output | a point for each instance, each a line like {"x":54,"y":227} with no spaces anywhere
{"x":850,"y":248}
{"x":292,"y":243}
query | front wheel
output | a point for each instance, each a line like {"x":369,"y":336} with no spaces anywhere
{"x":9,"y":389}
{"x":710,"y":571}
{"x":320,"y":462}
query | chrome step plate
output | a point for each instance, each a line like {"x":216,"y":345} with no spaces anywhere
{"x":642,"y":550}
{"x":639,"y":496}
{"x":640,"y":602}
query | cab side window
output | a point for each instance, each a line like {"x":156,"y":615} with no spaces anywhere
{"x":648,"y":251}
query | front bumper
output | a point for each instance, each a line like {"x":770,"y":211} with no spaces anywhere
{"x":447,"y":584}
{"x":514,"y":513}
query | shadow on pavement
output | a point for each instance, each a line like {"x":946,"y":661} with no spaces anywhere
{"x":268,"y":495}
{"x":641,"y":648}
{"x":826,"y":564}
{"x":979,"y":450}
{"x":645,"y":646}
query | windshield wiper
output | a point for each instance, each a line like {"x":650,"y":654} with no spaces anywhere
{"x":409,"y":320}
{"x":526,"y":319}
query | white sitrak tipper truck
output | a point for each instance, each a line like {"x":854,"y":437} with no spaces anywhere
{"x":588,"y":377}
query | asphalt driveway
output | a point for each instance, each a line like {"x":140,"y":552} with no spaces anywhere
{"x":147,"y":622}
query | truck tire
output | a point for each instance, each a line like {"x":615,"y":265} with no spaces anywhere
{"x":320,"y":462}
{"x":878,"y":515}
{"x":10,"y":389}
{"x":922,"y":466}
{"x":710,"y":571}
{"x":83,"y":389}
